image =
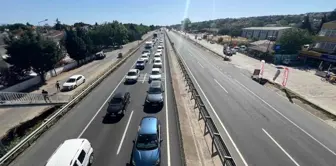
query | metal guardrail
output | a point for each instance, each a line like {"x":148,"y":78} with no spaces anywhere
{"x":15,"y":98}
{"x":28,"y":140}
{"x":210,"y":127}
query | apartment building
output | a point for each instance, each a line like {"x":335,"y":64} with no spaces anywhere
{"x":324,"y":48}
{"x":263,"y":33}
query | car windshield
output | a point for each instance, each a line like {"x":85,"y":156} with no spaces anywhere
{"x":70,"y":80}
{"x":157,"y":61}
{"x":131,"y":73}
{"x":140,"y":61}
{"x":155,"y":72}
{"x":147,"y":142}
{"x":144,"y":56}
{"x":154,"y":90}
{"x":116,"y":100}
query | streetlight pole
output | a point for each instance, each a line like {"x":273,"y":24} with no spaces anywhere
{"x":38,"y":23}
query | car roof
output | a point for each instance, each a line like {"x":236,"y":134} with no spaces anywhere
{"x":148,"y":125}
{"x":133,"y":70}
{"x":157,"y":53}
{"x":141,"y":59}
{"x":145,"y":54}
{"x":66,"y":152}
{"x":155,"y":84}
{"x":75,"y":76}
{"x":155,"y":69}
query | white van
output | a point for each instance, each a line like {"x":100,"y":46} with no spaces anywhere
{"x":72,"y":152}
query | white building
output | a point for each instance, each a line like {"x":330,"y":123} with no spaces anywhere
{"x":263,"y":33}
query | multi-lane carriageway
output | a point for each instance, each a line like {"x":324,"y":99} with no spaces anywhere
{"x":111,"y":138}
{"x":259,"y":127}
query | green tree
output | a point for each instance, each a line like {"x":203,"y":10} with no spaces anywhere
{"x":120,"y":33}
{"x":75,"y":46}
{"x":186,"y":23}
{"x":323,"y":20}
{"x":306,"y":24}
{"x":283,"y":22}
{"x":292,"y":40}
{"x":31,"y":51}
{"x":58,"y":25}
{"x":332,"y":16}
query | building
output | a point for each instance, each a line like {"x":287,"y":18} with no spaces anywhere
{"x":323,"y":51}
{"x":263,"y":33}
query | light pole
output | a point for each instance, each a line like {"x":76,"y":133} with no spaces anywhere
{"x":38,"y":23}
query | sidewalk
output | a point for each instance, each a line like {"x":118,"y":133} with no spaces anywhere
{"x":302,"y":82}
{"x":11,"y":117}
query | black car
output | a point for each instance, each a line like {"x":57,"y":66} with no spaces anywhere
{"x":118,"y":104}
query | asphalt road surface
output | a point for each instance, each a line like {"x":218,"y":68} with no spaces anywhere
{"x":111,"y":138}
{"x":260,"y":127}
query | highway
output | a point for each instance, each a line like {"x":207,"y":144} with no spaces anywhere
{"x":111,"y":138}
{"x":259,"y":127}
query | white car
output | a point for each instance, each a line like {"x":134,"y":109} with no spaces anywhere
{"x":73,"y":82}
{"x":144,"y":57}
{"x":72,"y":152}
{"x":159,"y":52}
{"x":160,"y":47}
{"x":132,"y":75}
{"x":155,"y":74}
{"x":157,"y":55}
{"x":157,"y":63}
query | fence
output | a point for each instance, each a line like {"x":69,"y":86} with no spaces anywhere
{"x":217,"y":141}
{"x":15,"y":98}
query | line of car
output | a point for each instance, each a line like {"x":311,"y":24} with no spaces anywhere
{"x":147,"y":145}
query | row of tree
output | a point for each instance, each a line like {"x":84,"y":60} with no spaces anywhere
{"x":32,"y":50}
{"x":233,"y":26}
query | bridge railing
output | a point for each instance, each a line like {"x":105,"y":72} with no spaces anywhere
{"x":217,"y":140}
{"x":16,"y":98}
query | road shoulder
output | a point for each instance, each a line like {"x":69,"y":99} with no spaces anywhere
{"x":196,"y":147}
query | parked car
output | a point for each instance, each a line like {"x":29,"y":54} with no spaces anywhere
{"x":100,"y":55}
{"x":147,"y":145}
{"x":73,"y":82}
{"x":118,"y":104}
{"x":74,"y":152}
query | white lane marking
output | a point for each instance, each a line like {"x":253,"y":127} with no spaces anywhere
{"x":219,"y":120}
{"x":166,"y":104}
{"x":275,"y":110}
{"x":221,"y":86}
{"x":283,"y":150}
{"x":124,"y":134}
{"x":200,"y":64}
{"x":288,"y":119}
{"x":101,"y":107}
{"x":144,"y":78}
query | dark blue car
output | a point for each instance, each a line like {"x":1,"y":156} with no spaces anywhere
{"x":147,"y":146}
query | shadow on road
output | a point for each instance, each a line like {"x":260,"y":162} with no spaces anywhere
{"x":152,"y":109}
{"x":111,"y":119}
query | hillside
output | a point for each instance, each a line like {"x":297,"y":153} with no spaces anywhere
{"x":233,"y":26}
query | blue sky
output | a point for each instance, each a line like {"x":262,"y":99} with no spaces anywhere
{"x":159,"y":12}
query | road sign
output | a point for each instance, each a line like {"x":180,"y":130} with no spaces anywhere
{"x":285,"y":79}
{"x":262,"y":65}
